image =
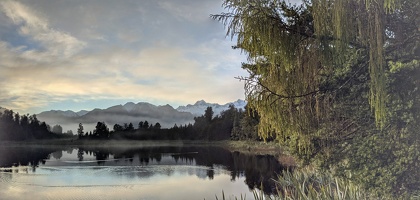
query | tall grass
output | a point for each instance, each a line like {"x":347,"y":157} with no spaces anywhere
{"x":311,"y":184}
{"x":307,"y":184}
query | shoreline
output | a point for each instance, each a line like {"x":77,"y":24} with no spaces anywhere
{"x":252,"y":147}
{"x":245,"y":147}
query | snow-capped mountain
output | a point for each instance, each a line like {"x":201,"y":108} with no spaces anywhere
{"x":200,"y":106}
{"x":131,"y":112}
{"x":239,"y":104}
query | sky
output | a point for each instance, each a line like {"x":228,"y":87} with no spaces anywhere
{"x":77,"y":54}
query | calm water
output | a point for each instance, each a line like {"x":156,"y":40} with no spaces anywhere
{"x":132,"y":173}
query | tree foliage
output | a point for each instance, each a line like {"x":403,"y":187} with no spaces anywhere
{"x":285,"y":66}
{"x":293,"y":52}
{"x":16,"y":127}
{"x":101,"y":130}
{"x":336,"y":80}
{"x":80,"y":131}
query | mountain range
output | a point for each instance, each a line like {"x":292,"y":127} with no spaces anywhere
{"x":199,"y":107}
{"x":131,"y":112}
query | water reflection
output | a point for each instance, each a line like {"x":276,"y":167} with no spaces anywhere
{"x":136,"y":167}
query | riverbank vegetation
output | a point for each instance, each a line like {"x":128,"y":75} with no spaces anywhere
{"x":337,"y":82}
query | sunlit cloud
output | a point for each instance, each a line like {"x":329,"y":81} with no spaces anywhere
{"x":134,"y":59}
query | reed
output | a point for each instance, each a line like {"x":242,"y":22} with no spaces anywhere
{"x":309,"y":184}
{"x":312,"y":184}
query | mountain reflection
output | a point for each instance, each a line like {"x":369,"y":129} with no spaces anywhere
{"x":203,"y":162}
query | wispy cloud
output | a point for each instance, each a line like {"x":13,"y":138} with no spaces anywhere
{"x":35,"y":27}
{"x":134,"y":59}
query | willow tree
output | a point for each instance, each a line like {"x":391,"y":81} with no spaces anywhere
{"x":359,"y":24}
{"x":294,"y":50}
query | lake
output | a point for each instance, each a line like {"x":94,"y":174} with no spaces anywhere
{"x":133,"y":172}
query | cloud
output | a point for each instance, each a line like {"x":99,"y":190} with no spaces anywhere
{"x":123,"y":57}
{"x":190,"y":10}
{"x":160,"y":72}
{"x":56,"y":43}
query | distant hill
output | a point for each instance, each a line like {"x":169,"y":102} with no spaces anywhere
{"x":166,"y":115}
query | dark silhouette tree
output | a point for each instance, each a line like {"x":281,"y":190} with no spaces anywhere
{"x":118,"y":128}
{"x":141,"y":123}
{"x":130,"y":127}
{"x":208,"y":114}
{"x":157,"y":126}
{"x":80,"y":131}
{"x":146,"y":125}
{"x":101,"y":130}
{"x":17,"y":119}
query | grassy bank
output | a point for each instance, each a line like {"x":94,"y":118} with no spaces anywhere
{"x":261,"y":148}
{"x":309,"y":183}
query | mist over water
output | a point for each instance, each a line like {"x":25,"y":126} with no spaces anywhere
{"x":132,"y":173}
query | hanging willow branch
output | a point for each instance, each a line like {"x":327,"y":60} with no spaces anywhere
{"x":284,"y":82}
{"x":292,"y":49}
{"x":251,"y":81}
{"x":366,"y":21}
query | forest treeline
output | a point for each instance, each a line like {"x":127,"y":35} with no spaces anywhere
{"x":16,"y":127}
{"x":233,"y":124}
